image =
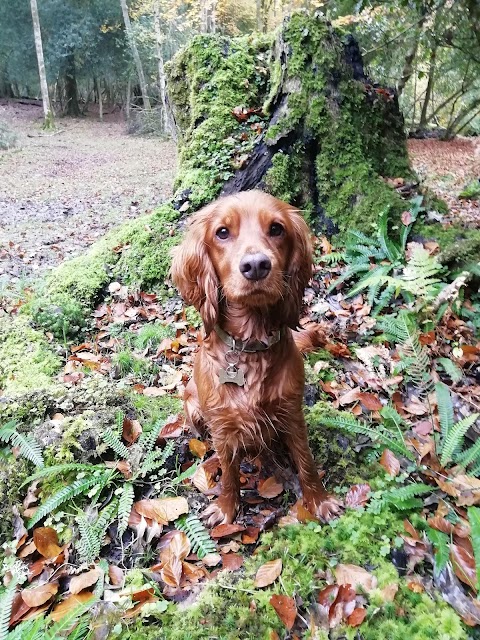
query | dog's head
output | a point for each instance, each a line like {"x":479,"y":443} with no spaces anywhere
{"x":250,"y":249}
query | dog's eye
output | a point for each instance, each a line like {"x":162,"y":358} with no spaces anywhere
{"x":222,"y":233}
{"x":276,"y":229}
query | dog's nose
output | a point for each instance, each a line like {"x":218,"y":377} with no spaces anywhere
{"x":255,"y":266}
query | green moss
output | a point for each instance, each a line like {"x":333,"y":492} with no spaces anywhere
{"x":13,"y":472}
{"x":60,"y":315}
{"x":458,"y":246}
{"x":26,"y":359}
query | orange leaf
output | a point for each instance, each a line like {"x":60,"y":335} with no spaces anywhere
{"x":268,"y":573}
{"x":370,"y":401}
{"x":441,"y":524}
{"x":232,"y":561}
{"x":197,"y":447}
{"x":172,"y":572}
{"x":46,"y":542}
{"x":357,"y":617}
{"x":131,"y":430}
{"x":270,"y":488}
{"x":225,"y":530}
{"x":357,"y":496}
{"x":286,"y":609}
{"x":84,"y":580}
{"x":70,"y":603}
{"x":162,"y":510}
{"x":390,"y":462}
{"x":39,"y":595}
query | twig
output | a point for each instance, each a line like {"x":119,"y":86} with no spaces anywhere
{"x":45,"y":135}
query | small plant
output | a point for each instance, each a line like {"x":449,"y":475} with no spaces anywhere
{"x":26,"y":443}
{"x":62,"y":316}
{"x":197,"y":535}
{"x":151,"y":335}
{"x":471,"y":191}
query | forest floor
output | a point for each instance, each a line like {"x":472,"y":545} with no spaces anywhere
{"x":61,"y":192}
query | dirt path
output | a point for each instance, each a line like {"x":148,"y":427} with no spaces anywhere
{"x":59,"y":193}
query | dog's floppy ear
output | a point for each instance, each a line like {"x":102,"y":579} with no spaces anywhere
{"x":193,"y":272}
{"x":299,"y":270}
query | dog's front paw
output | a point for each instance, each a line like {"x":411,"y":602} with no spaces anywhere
{"x":220,"y":511}
{"x":324,"y":507}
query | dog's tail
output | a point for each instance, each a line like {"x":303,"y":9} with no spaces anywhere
{"x":310,"y":337}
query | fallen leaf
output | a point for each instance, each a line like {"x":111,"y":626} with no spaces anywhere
{"x":70,"y":603}
{"x":357,"y":496}
{"x":286,"y":609}
{"x":355,"y":576}
{"x":225,"y":530}
{"x":350,"y":396}
{"x":370,"y":401}
{"x":232,"y":561}
{"x":356,"y":618}
{"x":389,"y":592}
{"x":212,"y":559}
{"x":131,"y":430}
{"x":270,"y":488}
{"x":203,"y":480}
{"x":162,"y":510}
{"x":406,"y":218}
{"x":84,"y":580}
{"x":390,"y":462}
{"x":39,"y":595}
{"x":172,"y":572}
{"x":268,"y":573}
{"x":46,"y":542}
{"x":463,"y":564}
{"x":197,"y":447}
{"x":116,"y":575}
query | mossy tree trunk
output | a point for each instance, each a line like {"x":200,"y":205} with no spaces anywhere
{"x":293,"y":114}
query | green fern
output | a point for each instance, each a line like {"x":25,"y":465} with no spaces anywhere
{"x":440,"y":542}
{"x":197,"y":534}
{"x":156,"y":459}
{"x":113,"y":440}
{"x":469,"y":456}
{"x":6,"y":602}
{"x":391,"y":438}
{"x":451,"y":369}
{"x":148,"y":439}
{"x":60,"y":469}
{"x":445,"y":409}
{"x":454,"y":440}
{"x":125,"y":503}
{"x":92,"y":534}
{"x":420,"y":275}
{"x":26,"y":443}
{"x":474,"y":520}
{"x":65,"y":494}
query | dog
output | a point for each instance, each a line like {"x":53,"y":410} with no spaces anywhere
{"x":243,"y":264}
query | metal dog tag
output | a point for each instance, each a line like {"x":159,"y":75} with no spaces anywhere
{"x":233,"y":375}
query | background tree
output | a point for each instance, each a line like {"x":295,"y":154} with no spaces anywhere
{"x":47,"y":111}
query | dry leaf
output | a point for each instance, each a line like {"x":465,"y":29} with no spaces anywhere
{"x":232,"y":561}
{"x":116,"y":575}
{"x":203,"y":480}
{"x":463,"y":564}
{"x":131,"y":430}
{"x":357,"y":496}
{"x":197,"y":447}
{"x":269,"y":488}
{"x":370,"y":401}
{"x":224,"y":530}
{"x":390,"y":462}
{"x":172,"y":572}
{"x":84,"y":580}
{"x":39,"y":595}
{"x":66,"y":606}
{"x":46,"y":542}
{"x":286,"y":609}
{"x":162,"y":510}
{"x":355,"y":576}
{"x":268,"y":573}
{"x":356,"y":618}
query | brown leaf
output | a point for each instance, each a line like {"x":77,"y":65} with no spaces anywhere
{"x":162,"y":510}
{"x":116,"y":575}
{"x":173,"y":427}
{"x":357,"y":617}
{"x":357,"y":496}
{"x":203,"y":480}
{"x":441,"y":524}
{"x":131,"y":430}
{"x":370,"y":401}
{"x":197,"y":447}
{"x":350,"y":396}
{"x":212,"y":559}
{"x":302,"y":514}
{"x":390,"y":462}
{"x":338,"y":350}
{"x":463,"y":564}
{"x":84,"y":580}
{"x":355,"y":576}
{"x":270,"y":488}
{"x":172,"y":572}
{"x":179,"y":545}
{"x":268,"y":573}
{"x":286,"y":609}
{"x":232,"y":561}
{"x":389,"y":592}
{"x":46,"y":542}
{"x":410,"y":529}
{"x":39,"y":595}
{"x":226,"y":530}
{"x":250,"y":535}
{"x":70,"y":603}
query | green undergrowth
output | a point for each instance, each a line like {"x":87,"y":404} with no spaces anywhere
{"x":230,"y":607}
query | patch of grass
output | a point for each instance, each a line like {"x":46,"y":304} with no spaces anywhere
{"x":151,"y":335}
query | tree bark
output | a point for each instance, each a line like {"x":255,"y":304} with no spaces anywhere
{"x":430,"y":83}
{"x":71,"y":89}
{"x":408,"y":64}
{"x":167,"y":121}
{"x":47,"y":109}
{"x":136,"y":55}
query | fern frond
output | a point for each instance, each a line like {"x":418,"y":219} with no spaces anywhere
{"x":441,"y":545}
{"x":28,"y":630}
{"x":6,"y":602}
{"x":67,"y":493}
{"x":197,"y":535}
{"x":470,"y":455}
{"x":351,"y":271}
{"x":148,"y":439}
{"x":90,"y":539}
{"x":355,"y":237}
{"x":420,"y":274}
{"x":454,"y":439}
{"x":384,"y":299}
{"x":59,"y":469}
{"x":474,"y":520}
{"x":403,"y":494}
{"x":445,"y":409}
{"x":392,"y":251}
{"x":114,"y":442}
{"x":379,"y":274}
{"x":334,"y":257}
{"x":156,"y":459}
{"x":125,"y":503}
{"x":26,"y":443}
{"x":451,"y":369}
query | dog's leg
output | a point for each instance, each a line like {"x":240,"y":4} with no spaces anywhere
{"x":192,"y":409}
{"x":224,"y":509}
{"x":315,"y":496}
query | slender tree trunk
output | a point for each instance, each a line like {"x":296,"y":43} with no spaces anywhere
{"x":410,"y":57}
{"x":71,"y":89}
{"x":136,"y":55}
{"x":430,"y":83}
{"x":47,"y":109}
{"x":259,"y":14}
{"x":167,"y":120}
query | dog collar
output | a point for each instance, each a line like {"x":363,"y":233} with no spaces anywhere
{"x":248,"y":346}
